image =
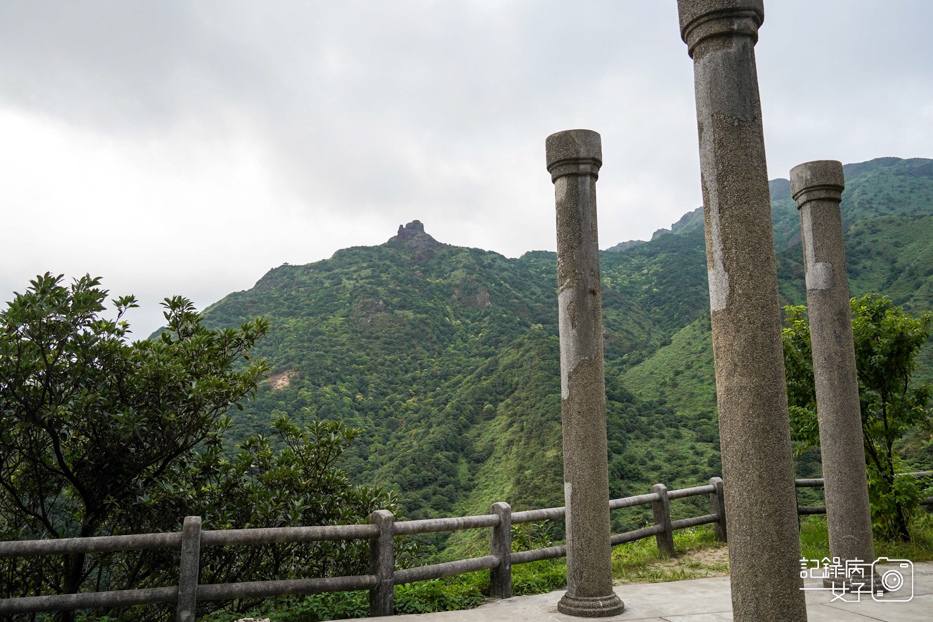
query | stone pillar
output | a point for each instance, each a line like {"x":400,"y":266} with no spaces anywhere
{"x":382,"y":564}
{"x":817,"y":188}
{"x":760,"y":499}
{"x":717,"y":505}
{"x":500,"y":545}
{"x":189,"y":570}
{"x":573,"y":159}
{"x":661,"y":509}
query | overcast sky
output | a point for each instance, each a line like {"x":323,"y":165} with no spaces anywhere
{"x":182,"y":147}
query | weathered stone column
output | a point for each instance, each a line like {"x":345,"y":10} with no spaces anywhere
{"x":764,"y":546}
{"x":817,"y":188}
{"x":573,"y":159}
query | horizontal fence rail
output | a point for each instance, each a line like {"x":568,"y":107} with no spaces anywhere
{"x":380,"y":531}
{"x":281,"y":535}
{"x":805,"y":510}
{"x":96,"y":544}
{"x":285,"y":587}
{"x":433,"y":525}
{"x":447,"y":569}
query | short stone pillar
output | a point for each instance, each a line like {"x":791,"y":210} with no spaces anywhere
{"x":382,"y":564}
{"x":189,"y":569}
{"x":500,"y":545}
{"x":717,"y":504}
{"x":760,"y":499}
{"x":817,"y":188}
{"x":661,"y":510}
{"x":573,"y":159}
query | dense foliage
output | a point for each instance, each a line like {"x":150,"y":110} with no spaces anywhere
{"x":88,"y":423}
{"x":412,"y":366}
{"x":449,"y":363}
{"x":103,"y":437}
{"x":887,"y":341}
{"x":446,"y":357}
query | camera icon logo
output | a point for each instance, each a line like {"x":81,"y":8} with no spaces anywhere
{"x":892,"y":584}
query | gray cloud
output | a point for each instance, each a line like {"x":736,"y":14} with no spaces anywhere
{"x":305,"y":127}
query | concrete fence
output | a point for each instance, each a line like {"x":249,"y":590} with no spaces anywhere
{"x":380,"y":531}
{"x":804,"y":510}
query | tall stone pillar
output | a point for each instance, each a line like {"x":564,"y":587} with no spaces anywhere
{"x":573,"y":159}
{"x":817,"y":188}
{"x":760,"y":499}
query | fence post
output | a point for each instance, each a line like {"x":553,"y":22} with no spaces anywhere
{"x":662,"y":516}
{"x":500,"y":545}
{"x":797,"y":505}
{"x":717,"y":501}
{"x":189,"y":567}
{"x":382,"y":564}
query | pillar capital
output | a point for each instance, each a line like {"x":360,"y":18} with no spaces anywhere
{"x":574,"y":152}
{"x":816,"y":181}
{"x":703,"y":19}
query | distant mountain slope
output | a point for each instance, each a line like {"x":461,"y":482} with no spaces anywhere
{"x":892,"y":255}
{"x":680,"y":375}
{"x":887,"y":210}
{"x":447,"y":356}
{"x":880,"y":187}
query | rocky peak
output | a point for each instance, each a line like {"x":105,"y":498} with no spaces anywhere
{"x":413,"y":237}
{"x":409,"y":231}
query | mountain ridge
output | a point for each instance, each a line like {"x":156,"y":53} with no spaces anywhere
{"x":446,"y":356}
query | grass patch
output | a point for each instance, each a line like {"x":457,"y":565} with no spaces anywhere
{"x":814,"y":540}
{"x":450,"y":594}
{"x":539,"y":577}
{"x":698,"y":554}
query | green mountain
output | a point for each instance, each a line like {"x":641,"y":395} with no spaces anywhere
{"x":887,"y":210}
{"x":447,"y":357}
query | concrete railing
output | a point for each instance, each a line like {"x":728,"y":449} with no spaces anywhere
{"x":381,"y":531}
{"x":803,"y":510}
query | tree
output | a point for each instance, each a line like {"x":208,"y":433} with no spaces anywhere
{"x":99,"y":436}
{"x":89,"y":422}
{"x":265,"y":485}
{"x":887,"y":340}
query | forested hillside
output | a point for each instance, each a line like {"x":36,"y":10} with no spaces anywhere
{"x":447,"y":357}
{"x":887,"y":210}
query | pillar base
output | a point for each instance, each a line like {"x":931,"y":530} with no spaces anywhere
{"x":591,"y":606}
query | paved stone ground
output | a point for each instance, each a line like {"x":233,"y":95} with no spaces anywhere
{"x":698,"y":600}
